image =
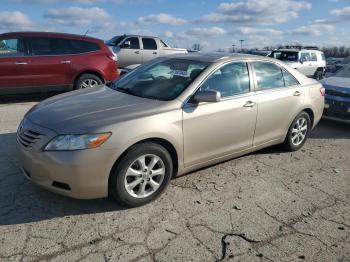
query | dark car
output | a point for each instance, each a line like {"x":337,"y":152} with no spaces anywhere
{"x":38,"y":61}
{"x":337,"y":105}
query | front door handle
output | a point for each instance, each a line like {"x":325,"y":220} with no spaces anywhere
{"x":137,"y":52}
{"x":297,"y":93}
{"x":249,"y":104}
{"x":154,"y":53}
{"x":21,"y":63}
{"x":66,"y":62}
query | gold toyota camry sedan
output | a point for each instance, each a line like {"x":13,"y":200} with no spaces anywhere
{"x":169,"y":116}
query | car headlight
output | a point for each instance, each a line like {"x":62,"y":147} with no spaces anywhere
{"x":76,"y":142}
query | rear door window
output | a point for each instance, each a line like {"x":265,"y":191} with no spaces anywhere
{"x":268,"y":75}
{"x":12,"y":47}
{"x":313,"y":57}
{"x":289,"y":79}
{"x":149,"y":44}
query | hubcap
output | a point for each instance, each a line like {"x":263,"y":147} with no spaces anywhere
{"x":144,"y":176}
{"x":299,"y":131}
{"x":89,"y":83}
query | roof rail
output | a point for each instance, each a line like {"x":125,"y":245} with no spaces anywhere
{"x":301,"y":47}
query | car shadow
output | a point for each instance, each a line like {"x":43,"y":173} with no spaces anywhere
{"x":18,"y":98}
{"x":326,"y":129}
{"x":21,"y":202}
{"x":330,"y":129}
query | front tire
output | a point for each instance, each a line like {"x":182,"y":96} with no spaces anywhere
{"x":298,"y":132}
{"x":141,"y":175}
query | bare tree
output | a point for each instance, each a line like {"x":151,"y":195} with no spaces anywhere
{"x":197,"y":47}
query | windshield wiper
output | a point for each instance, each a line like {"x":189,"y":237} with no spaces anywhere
{"x":126,"y":91}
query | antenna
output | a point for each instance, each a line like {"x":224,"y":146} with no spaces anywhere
{"x":87,"y":31}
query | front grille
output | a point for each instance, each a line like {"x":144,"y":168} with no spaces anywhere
{"x":337,"y":93}
{"x":28,"y":137}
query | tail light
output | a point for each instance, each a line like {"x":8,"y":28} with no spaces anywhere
{"x":322,"y":91}
{"x":113,"y":58}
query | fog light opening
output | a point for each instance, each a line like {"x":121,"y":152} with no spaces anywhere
{"x":60,"y":185}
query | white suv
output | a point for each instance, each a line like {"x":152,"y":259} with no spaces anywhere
{"x":311,"y":63}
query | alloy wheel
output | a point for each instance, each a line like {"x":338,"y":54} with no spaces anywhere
{"x":89,"y":83}
{"x":299,"y":131}
{"x":144,"y":176}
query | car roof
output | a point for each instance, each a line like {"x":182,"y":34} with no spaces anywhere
{"x":140,"y":36}
{"x":47,"y":34}
{"x":298,"y":50}
{"x":215,"y":57}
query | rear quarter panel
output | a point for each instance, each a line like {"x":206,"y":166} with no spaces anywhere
{"x":97,"y":62}
{"x":314,"y":100}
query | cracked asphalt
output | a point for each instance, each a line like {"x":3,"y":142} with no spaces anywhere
{"x":265,"y":206}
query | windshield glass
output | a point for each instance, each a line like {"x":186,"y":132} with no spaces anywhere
{"x":285,"y":55}
{"x":161,"y":79}
{"x":343,"y":72}
{"x":115,"y":40}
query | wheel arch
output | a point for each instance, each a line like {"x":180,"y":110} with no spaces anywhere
{"x":311,"y":114}
{"x":92,"y":72}
{"x":160,"y":141}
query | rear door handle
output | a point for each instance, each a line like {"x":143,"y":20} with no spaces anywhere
{"x":297,"y":93}
{"x":137,"y":52}
{"x":21,"y":63}
{"x":249,"y":104}
{"x":66,"y":62}
{"x":154,"y":53}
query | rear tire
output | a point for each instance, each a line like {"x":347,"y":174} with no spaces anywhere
{"x":88,"y":81}
{"x":142,"y":175}
{"x":298,"y":132}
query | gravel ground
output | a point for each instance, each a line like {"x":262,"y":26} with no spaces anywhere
{"x":266,"y":206}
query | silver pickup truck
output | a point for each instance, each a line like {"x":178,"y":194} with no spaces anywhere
{"x":133,"y":50}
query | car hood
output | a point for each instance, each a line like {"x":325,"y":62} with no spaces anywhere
{"x":90,"y":110}
{"x":337,"y":83}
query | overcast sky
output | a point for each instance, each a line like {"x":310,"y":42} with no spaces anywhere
{"x":213,"y":23}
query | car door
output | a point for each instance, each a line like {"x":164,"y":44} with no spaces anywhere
{"x":48,"y":63}
{"x":129,"y":52}
{"x":280,"y":98}
{"x":150,"y":49}
{"x":13,"y":56}
{"x":306,"y":64}
{"x":215,"y":130}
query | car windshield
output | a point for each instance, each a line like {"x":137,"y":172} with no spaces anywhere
{"x":161,"y":79}
{"x":285,"y":55}
{"x":343,"y":72}
{"x":115,"y":40}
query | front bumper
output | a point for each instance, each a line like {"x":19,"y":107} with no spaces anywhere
{"x":79,"y":174}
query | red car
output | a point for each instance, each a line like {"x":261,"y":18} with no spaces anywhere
{"x":38,"y":61}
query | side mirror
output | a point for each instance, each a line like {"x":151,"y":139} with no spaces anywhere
{"x":210,"y":96}
{"x":126,"y":45}
{"x":302,"y":60}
